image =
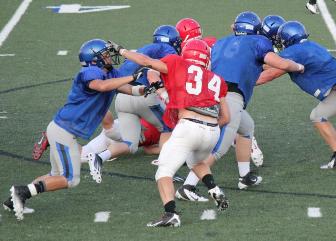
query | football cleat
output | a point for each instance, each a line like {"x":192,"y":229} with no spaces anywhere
{"x":218,"y":196}
{"x":8,"y":204}
{"x":256,"y":154}
{"x":95,"y":164}
{"x":312,"y":8}
{"x":19,"y":196}
{"x":167,"y":220}
{"x":189,"y":193}
{"x":40,"y":146}
{"x":331,"y":164}
{"x":249,"y":180}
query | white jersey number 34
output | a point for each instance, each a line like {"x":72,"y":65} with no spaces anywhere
{"x":195,"y":87}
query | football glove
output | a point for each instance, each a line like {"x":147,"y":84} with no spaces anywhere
{"x":153,"y":87}
{"x":139,"y":73}
{"x":114,"y":47}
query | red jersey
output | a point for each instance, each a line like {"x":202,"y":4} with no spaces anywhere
{"x":189,"y":85}
{"x":150,"y":133}
{"x":210,"y":40}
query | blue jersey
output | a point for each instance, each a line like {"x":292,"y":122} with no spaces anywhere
{"x":239,"y":59}
{"x":155,"y":51}
{"x":320,"y":68}
{"x":85,"y":108}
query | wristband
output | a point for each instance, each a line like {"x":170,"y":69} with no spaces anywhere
{"x":136,"y":90}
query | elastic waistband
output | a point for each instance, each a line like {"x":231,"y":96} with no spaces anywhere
{"x":201,"y":122}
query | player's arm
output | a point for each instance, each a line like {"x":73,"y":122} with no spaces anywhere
{"x":109,"y":84}
{"x":140,"y":58}
{"x":224,"y":113}
{"x":269,"y":75}
{"x":132,"y":90}
{"x":275,"y":61}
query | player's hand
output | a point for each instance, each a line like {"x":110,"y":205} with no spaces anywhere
{"x":139,"y":73}
{"x":153,"y":87}
{"x":114,"y":47}
{"x":301,"y":68}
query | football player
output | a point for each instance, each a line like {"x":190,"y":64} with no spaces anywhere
{"x":194,"y":95}
{"x":269,"y":28}
{"x":238,"y":59}
{"x":318,"y":79}
{"x":89,"y":99}
{"x":166,"y":40}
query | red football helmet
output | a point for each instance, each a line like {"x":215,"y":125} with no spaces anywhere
{"x":197,"y":51}
{"x":210,"y":40}
{"x":189,"y":29}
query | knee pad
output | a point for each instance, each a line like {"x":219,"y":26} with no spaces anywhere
{"x":163,"y":171}
{"x":247,"y":129}
{"x":74,"y":182}
{"x":315,"y":116}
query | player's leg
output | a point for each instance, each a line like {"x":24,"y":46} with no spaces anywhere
{"x":180,"y":146}
{"x":65,"y":159}
{"x":319,"y":116}
{"x":243,"y":152}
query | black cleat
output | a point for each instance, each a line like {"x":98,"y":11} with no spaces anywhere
{"x":189,"y":193}
{"x":167,"y":220}
{"x":331,"y":164}
{"x":249,"y":180}
{"x":19,"y":196}
{"x":8,"y":204}
{"x":219,"y":197}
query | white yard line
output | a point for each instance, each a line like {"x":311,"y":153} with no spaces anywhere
{"x":3,"y":117}
{"x":102,"y":217}
{"x":62,"y":52}
{"x":7,"y":55}
{"x":327,"y":18}
{"x":314,"y":212}
{"x":208,"y":214}
{"x":14,"y":20}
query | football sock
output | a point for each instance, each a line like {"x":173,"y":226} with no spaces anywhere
{"x":105,"y":155}
{"x":170,"y":207}
{"x":191,"y":179}
{"x":209,"y":182}
{"x":312,"y":2}
{"x":244,"y":168}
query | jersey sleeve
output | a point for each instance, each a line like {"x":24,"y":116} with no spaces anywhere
{"x":89,"y":75}
{"x":263,"y":47}
{"x":287,"y":53}
{"x":171,"y":61}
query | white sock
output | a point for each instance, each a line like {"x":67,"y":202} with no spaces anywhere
{"x":32,"y":189}
{"x":191,"y":179}
{"x":105,"y":155}
{"x":244,"y":168}
{"x":96,"y":145}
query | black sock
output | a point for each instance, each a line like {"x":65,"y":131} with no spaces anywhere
{"x":39,"y":187}
{"x":208,"y":180}
{"x":312,"y":1}
{"x":170,"y":207}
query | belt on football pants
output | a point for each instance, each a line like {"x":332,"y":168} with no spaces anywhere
{"x":201,"y":122}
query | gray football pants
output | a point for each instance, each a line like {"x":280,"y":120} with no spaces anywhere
{"x":240,"y":122}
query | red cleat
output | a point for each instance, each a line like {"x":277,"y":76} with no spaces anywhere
{"x":40,"y":146}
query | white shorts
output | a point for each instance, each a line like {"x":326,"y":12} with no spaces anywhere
{"x":190,"y":142}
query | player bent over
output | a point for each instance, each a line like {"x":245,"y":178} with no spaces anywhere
{"x":88,"y":101}
{"x":194,"y":95}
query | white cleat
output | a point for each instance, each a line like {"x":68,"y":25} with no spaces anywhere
{"x":312,"y":8}
{"x":95,"y":164}
{"x":256,"y":154}
{"x":18,"y":204}
{"x":189,"y":193}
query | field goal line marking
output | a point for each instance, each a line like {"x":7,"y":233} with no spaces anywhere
{"x":14,"y":20}
{"x":329,"y":21}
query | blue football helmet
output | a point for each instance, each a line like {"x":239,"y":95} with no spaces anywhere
{"x":168,"y":34}
{"x":247,"y":23}
{"x":270,"y":26}
{"x":92,"y":51}
{"x":291,"y":33}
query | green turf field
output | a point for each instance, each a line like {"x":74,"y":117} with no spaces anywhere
{"x":34,"y":84}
